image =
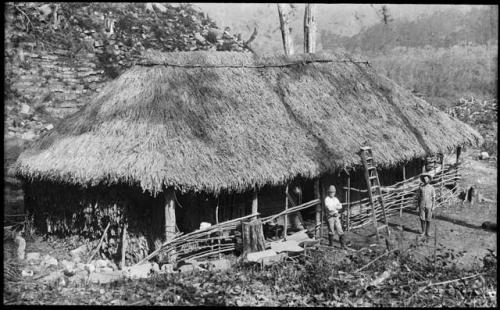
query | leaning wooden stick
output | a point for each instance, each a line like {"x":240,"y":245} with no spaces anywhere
{"x":99,"y":244}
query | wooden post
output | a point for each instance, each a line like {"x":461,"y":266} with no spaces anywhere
{"x":310,"y":28}
{"x":403,"y":195}
{"x":348,"y":200}
{"x":124,"y":246}
{"x":284,"y":15}
{"x":459,"y":151}
{"x":255,"y":201}
{"x":253,"y":236}
{"x":217,"y":222}
{"x":318,"y":209}
{"x":285,"y":225}
{"x":442,"y":180}
{"x":169,"y":214}
{"x":321,"y":195}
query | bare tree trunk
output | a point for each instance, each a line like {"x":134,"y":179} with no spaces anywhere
{"x":284,"y":15}
{"x":310,"y":28}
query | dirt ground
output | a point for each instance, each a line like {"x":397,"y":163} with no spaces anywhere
{"x":457,"y":227}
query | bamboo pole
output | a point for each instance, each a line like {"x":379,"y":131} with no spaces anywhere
{"x":217,"y":223}
{"x":404,"y":179}
{"x":285,"y":220}
{"x":318,"y":209}
{"x":348,"y":200}
{"x":322,"y":203}
{"x":291,"y":210}
{"x":459,"y":151}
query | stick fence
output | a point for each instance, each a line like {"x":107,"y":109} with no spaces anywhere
{"x":403,"y":195}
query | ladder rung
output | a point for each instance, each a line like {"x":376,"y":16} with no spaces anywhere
{"x":372,"y":168}
{"x":373,"y":177}
{"x":382,"y":226}
{"x":366,"y":148}
{"x":369,"y":158}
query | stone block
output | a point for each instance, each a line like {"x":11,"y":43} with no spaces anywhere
{"x":269,"y":260}
{"x":105,"y":269}
{"x":155,"y":267}
{"x":33,"y":256}
{"x":105,"y":277}
{"x":49,"y":261}
{"x":219,"y":264}
{"x":78,"y":251}
{"x":138,"y":272}
{"x":67,"y":265}
{"x":484,"y":156}
{"x":99,"y":263}
{"x":187,"y":268}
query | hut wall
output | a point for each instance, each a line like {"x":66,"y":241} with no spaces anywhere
{"x":62,"y":209}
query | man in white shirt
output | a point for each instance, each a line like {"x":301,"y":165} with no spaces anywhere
{"x":334,"y":207}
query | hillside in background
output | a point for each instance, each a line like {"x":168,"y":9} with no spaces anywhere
{"x":479,"y":26}
{"x":342,"y":20}
{"x":444,"y":52}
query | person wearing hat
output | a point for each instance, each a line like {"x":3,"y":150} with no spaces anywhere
{"x":334,"y":207}
{"x":426,"y":202}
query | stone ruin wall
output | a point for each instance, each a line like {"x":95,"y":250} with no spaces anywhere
{"x":57,"y":80}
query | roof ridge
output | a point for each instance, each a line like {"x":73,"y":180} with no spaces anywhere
{"x":223,"y":59}
{"x":303,"y":62}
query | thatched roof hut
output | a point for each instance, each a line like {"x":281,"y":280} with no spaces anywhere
{"x":207,"y":121}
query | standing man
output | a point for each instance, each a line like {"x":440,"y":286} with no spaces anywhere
{"x":334,"y":207}
{"x":426,"y":203}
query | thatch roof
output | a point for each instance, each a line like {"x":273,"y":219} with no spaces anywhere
{"x":226,"y":121}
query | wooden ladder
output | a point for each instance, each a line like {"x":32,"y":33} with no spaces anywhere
{"x":374,"y":191}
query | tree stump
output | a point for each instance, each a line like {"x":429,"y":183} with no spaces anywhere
{"x":253,"y":237}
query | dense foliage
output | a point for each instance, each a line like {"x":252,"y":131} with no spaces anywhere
{"x":315,"y":280}
{"x":482,"y":115}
